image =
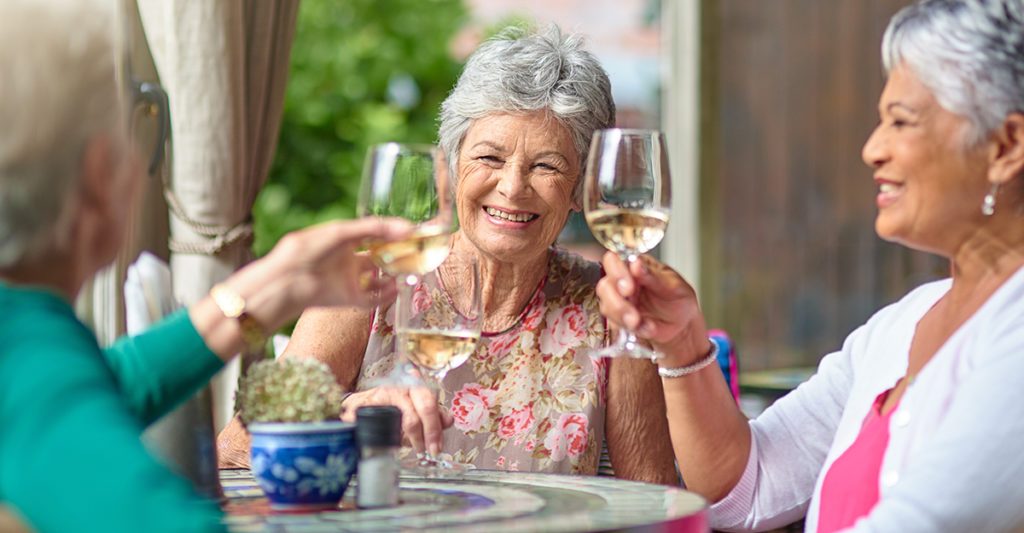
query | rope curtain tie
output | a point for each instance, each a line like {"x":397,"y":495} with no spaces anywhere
{"x":218,"y":237}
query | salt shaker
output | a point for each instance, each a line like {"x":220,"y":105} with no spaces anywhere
{"x":379,"y":432}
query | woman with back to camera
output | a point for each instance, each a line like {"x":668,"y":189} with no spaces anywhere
{"x":516,"y":128}
{"x":71,"y":414}
{"x":915,"y":424}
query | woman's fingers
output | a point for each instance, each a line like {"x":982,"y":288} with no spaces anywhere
{"x":353,"y":232}
{"x":423,"y":421}
{"x":617,"y":269}
{"x":615,"y":308}
{"x":657,"y":278}
{"x":429,"y":414}
{"x":647,"y":297}
{"x":614,"y":290}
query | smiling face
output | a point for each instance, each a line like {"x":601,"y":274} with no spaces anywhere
{"x":516,"y":177}
{"x":930,"y":184}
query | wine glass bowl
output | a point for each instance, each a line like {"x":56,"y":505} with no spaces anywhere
{"x":626,"y":202}
{"x":438,"y":329}
{"x":424,"y":249}
{"x":408,"y":181}
{"x":628,"y":232}
{"x":441,"y":328}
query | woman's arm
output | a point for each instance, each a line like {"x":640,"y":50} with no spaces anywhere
{"x":315,"y":266}
{"x":336,"y":336}
{"x":64,"y":417}
{"x":636,"y":429}
{"x":161,"y":367}
{"x":709,"y":433}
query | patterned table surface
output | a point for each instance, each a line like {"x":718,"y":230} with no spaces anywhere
{"x":481,"y":500}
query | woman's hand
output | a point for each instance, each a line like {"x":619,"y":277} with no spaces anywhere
{"x":423,"y":420}
{"x":316,"y":266}
{"x":656,"y":303}
{"x":325,"y":269}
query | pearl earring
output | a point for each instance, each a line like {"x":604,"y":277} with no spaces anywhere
{"x":988,"y":205}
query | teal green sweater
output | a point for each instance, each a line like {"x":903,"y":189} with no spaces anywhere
{"x":71,"y":416}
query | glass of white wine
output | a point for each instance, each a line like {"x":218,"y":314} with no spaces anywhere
{"x":439,"y":329}
{"x":409,"y":181}
{"x":626,"y":201}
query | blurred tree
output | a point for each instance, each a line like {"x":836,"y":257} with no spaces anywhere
{"x":362,"y":72}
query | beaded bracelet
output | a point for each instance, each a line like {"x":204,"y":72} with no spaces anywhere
{"x":681,"y":371}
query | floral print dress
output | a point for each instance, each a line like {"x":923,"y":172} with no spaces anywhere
{"x":530,"y":398}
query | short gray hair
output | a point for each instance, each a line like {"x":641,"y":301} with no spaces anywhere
{"x":58,"y":90}
{"x":969,"y":53}
{"x":520,"y":71}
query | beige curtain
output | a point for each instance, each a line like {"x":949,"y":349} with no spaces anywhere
{"x":224,"y":66}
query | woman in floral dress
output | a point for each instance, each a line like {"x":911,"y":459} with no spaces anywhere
{"x":516,"y":128}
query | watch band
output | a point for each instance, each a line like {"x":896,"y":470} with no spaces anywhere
{"x":233,"y":306}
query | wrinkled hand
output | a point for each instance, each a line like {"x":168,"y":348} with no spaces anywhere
{"x":657,"y":304}
{"x":327,"y":269}
{"x":423,"y":420}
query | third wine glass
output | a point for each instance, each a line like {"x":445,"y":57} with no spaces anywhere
{"x":626,"y":201}
{"x":438,"y":329}
{"x":409,"y":181}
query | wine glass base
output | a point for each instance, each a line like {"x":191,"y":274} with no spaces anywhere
{"x":402,"y":376}
{"x":636,"y":351}
{"x":425,"y":466}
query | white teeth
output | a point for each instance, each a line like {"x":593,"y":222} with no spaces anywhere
{"x":514,"y":217}
{"x":887,"y":187}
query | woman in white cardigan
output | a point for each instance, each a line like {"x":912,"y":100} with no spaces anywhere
{"x":917,"y":422}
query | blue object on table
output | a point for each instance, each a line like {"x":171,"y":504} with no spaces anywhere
{"x":727,"y":360}
{"x":303,"y":465}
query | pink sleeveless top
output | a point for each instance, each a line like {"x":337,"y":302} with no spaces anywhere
{"x":850,"y":488}
{"x":530,"y":398}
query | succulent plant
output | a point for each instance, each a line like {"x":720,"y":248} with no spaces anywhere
{"x":288,"y":390}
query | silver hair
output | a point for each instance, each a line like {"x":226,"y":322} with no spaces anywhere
{"x":969,"y":53}
{"x":58,"y":90}
{"x":520,"y":71}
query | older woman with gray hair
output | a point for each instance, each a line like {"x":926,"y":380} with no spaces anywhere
{"x":516,"y":128}
{"x":916,"y":423}
{"x":69,"y":181}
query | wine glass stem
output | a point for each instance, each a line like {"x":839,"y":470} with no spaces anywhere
{"x":403,"y":309}
{"x":627,"y":338}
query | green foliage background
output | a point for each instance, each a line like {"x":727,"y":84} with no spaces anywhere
{"x":345,"y":57}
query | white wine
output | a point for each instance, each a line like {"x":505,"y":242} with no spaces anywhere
{"x":435,"y":350}
{"x":423,"y":251}
{"x":628,"y":231}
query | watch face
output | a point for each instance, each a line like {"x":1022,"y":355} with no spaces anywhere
{"x":230,"y":303}
{"x":233,"y":306}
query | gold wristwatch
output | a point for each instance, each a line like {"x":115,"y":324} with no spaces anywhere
{"x":233,"y":306}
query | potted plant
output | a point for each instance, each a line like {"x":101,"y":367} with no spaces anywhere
{"x":302,"y":454}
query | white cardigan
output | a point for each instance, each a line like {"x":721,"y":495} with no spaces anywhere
{"x":955,"y":459}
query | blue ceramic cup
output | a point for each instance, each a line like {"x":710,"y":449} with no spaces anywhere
{"x":303,"y":465}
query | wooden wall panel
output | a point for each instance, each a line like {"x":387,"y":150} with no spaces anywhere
{"x":790,"y":261}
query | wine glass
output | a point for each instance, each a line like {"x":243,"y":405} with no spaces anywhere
{"x":626,"y":201}
{"x":438,"y":329}
{"x":409,"y":181}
